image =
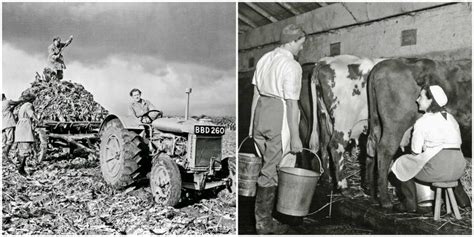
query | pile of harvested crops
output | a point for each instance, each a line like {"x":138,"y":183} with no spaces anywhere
{"x":64,"y":101}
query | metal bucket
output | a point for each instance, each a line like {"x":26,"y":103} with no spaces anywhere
{"x":249,"y":168}
{"x":296,"y":187}
{"x":424,"y":194}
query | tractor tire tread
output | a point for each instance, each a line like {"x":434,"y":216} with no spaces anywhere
{"x":130,"y":151}
{"x":175,"y":178}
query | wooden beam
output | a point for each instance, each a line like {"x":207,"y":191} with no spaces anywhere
{"x":261,"y":11}
{"x":71,"y":140}
{"x":247,"y":21}
{"x":288,"y":7}
{"x":244,"y":27}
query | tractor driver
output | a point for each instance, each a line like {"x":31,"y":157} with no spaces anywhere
{"x":140,"y":107}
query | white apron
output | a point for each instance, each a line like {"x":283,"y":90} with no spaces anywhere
{"x":288,"y":159}
{"x":24,"y":128}
{"x":408,"y":166}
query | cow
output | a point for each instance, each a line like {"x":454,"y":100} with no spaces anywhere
{"x":393,"y":87}
{"x":338,"y":108}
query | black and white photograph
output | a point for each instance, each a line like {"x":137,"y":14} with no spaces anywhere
{"x":354,"y":118}
{"x":119,"y":118}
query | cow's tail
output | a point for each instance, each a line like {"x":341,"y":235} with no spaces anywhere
{"x":374,"y":119}
{"x":322,"y":110}
{"x":321,"y":121}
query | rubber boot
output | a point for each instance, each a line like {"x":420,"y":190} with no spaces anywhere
{"x":264,"y":203}
{"x":409,"y":203}
{"x":21,"y":168}
{"x":6,"y":152}
{"x":461,"y":197}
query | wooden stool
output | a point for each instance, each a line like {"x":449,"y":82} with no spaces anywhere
{"x":448,"y":186}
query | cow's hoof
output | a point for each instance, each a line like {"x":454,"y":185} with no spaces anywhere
{"x":369,"y":192}
{"x":387,"y":205}
{"x":345,"y":192}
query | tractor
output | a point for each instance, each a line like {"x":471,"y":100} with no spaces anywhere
{"x":174,"y":154}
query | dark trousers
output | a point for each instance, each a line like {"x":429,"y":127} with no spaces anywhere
{"x":59,"y":74}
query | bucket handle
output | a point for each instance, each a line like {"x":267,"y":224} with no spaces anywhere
{"x":321,"y":170}
{"x":242,"y":143}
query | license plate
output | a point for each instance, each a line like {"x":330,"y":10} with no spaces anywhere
{"x":209,"y":130}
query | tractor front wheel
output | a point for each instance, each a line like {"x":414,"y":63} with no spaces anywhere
{"x":165,"y":180}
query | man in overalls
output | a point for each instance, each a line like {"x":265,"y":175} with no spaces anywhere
{"x":274,"y":121}
{"x":24,"y":131}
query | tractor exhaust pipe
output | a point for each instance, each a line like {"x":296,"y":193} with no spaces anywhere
{"x":186,"y":113}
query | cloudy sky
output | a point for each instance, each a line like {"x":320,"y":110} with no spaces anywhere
{"x":161,"y":48}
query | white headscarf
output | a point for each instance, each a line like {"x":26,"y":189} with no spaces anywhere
{"x":438,"y":95}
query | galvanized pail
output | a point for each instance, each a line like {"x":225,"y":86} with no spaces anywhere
{"x":296,"y":187}
{"x":249,"y":168}
{"x":424,"y":194}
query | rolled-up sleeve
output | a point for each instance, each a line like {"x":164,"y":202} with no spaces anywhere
{"x":292,"y":81}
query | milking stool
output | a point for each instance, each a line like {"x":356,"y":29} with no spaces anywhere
{"x":448,"y":188}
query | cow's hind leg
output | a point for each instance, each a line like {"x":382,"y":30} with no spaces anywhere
{"x":369,"y":176}
{"x":385,"y":150}
{"x":337,"y":161}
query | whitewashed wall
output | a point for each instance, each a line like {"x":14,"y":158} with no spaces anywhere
{"x":443,"y":32}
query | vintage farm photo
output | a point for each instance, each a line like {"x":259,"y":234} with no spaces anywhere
{"x":354,"y":118}
{"x":118,"y":118}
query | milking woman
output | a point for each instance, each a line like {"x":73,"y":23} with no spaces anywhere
{"x":435,"y":146}
{"x":274,"y":121}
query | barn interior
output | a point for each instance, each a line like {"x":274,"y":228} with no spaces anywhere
{"x":437,"y":31}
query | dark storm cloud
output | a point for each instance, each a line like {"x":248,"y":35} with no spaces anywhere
{"x":153,"y":34}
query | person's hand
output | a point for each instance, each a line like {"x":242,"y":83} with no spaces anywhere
{"x":295,"y":145}
{"x":314,"y":142}
{"x":405,"y":139}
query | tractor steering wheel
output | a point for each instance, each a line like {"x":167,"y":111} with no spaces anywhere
{"x":145,"y":118}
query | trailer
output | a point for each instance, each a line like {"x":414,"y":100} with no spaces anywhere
{"x":70,"y":137}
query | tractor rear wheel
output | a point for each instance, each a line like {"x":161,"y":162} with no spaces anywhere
{"x":123,"y":157}
{"x":165,"y":180}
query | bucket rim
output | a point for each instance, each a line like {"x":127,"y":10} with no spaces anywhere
{"x":285,"y":170}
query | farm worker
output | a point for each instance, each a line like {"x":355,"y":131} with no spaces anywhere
{"x":24,"y":131}
{"x":140,"y":107}
{"x":436,"y":154}
{"x":55,"y":56}
{"x":274,"y":121}
{"x":8,"y":125}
